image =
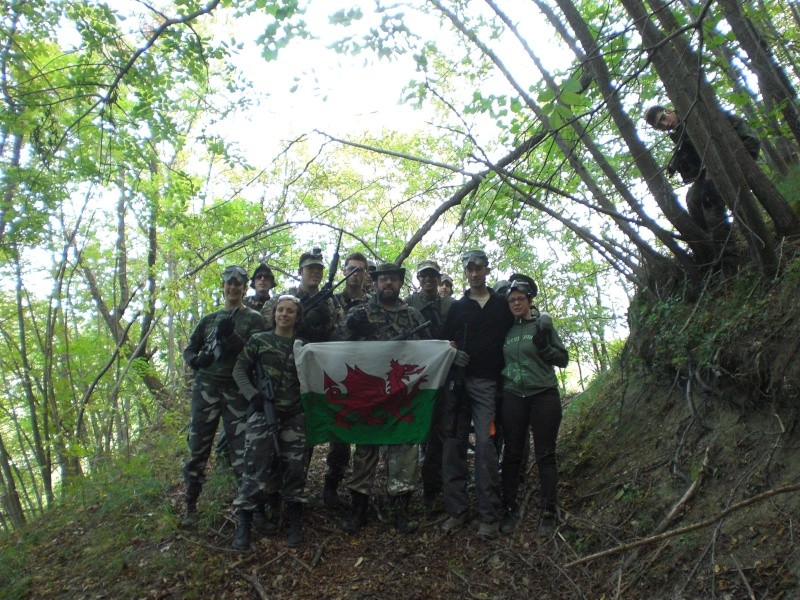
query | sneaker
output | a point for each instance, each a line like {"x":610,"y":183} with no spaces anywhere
{"x":548,"y":523}
{"x":453,"y":522}
{"x":509,"y":524}
{"x":487,"y":531}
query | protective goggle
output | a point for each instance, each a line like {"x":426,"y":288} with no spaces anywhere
{"x":289,"y":297}
{"x":476,"y":257}
{"x":521,"y":286}
{"x":234,"y":272}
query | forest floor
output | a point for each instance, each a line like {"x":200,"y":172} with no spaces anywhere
{"x":669,"y":488}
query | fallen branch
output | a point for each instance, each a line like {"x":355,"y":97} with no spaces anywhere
{"x":681,"y":530}
{"x":318,"y":553}
{"x":254,"y":581}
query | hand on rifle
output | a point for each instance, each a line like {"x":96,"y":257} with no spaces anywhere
{"x":201,"y":361}
{"x":225,"y":328}
{"x":257,"y":402}
{"x":359,"y":322}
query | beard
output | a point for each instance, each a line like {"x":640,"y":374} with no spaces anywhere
{"x":388,"y":296}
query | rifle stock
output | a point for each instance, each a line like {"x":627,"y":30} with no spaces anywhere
{"x":265,"y":385}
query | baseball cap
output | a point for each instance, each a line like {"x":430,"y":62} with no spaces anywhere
{"x":234,"y":272}
{"x":311,"y":258}
{"x":428,"y":265}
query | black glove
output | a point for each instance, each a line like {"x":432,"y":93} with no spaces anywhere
{"x":257,"y":402}
{"x":542,"y":335}
{"x":359,"y":322}
{"x":225,"y":328}
{"x":201,"y":361}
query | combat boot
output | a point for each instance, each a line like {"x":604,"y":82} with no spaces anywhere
{"x":189,"y":519}
{"x":398,"y":508}
{"x":271,"y":514}
{"x":242,"y":539}
{"x":358,"y":513}
{"x":330,"y":495}
{"x":294,"y":517}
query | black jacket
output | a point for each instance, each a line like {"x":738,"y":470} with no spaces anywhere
{"x":486,"y":330}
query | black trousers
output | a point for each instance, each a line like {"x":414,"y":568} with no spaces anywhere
{"x":542,"y":413}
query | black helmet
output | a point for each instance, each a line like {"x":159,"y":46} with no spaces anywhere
{"x":524,"y":284}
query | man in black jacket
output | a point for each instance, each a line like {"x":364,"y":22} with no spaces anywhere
{"x":478,"y":324}
{"x":705,"y":205}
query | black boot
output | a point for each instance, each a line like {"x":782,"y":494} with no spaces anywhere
{"x":272,"y":514}
{"x":189,"y":519}
{"x":242,"y":539}
{"x":398,"y":508}
{"x":330,"y":495}
{"x":294,"y":516}
{"x":358,"y":513}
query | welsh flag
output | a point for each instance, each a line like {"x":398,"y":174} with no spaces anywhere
{"x":370,"y":392}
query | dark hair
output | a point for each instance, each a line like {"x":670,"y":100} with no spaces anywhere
{"x":297,"y":303}
{"x":356,"y":256}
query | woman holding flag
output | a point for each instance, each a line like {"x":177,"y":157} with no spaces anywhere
{"x":276,"y":430}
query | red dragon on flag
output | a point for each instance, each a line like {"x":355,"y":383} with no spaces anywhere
{"x":372,"y":398}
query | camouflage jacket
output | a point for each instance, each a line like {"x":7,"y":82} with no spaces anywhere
{"x":276,"y":356}
{"x":384,"y":324}
{"x":246,"y":322}
{"x":433,"y":310}
{"x":346,"y":303}
{"x":316,"y":325}
{"x":255,"y":302}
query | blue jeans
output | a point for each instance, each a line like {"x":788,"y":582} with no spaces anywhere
{"x":474,"y":402}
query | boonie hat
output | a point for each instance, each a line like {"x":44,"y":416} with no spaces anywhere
{"x":262,"y":268}
{"x":387,"y":268}
{"x":234,"y":272}
{"x":428,"y":265}
{"x":477,"y":257}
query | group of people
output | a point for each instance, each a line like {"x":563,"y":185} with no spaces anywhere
{"x":502,"y":380}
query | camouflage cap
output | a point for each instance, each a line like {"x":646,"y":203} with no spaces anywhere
{"x":447,"y":279}
{"x":311,"y":258}
{"x":428,"y":265}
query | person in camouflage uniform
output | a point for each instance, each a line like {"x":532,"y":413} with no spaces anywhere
{"x":338,"y":459}
{"x":318,"y":322}
{"x":211,"y":353}
{"x":262,"y":282}
{"x":434,"y":309}
{"x":446,"y":286}
{"x":264,"y":480}
{"x":383,"y":317}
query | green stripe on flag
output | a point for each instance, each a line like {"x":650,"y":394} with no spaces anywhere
{"x":340,"y":422}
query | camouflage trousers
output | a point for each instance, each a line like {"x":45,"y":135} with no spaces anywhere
{"x":402,"y":462}
{"x":262,"y":474}
{"x":211,"y":401}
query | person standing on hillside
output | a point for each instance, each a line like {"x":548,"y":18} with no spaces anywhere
{"x":262,"y":282}
{"x":434,"y":308}
{"x":212,"y":351}
{"x":319,"y":321}
{"x":338,"y":459}
{"x":706,"y":207}
{"x":477,"y":323}
{"x":266,"y":375}
{"x":446,"y":286}
{"x":531,"y":350}
{"x":383,"y":317}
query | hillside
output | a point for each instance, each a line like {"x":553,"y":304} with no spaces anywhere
{"x":691,"y":440}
